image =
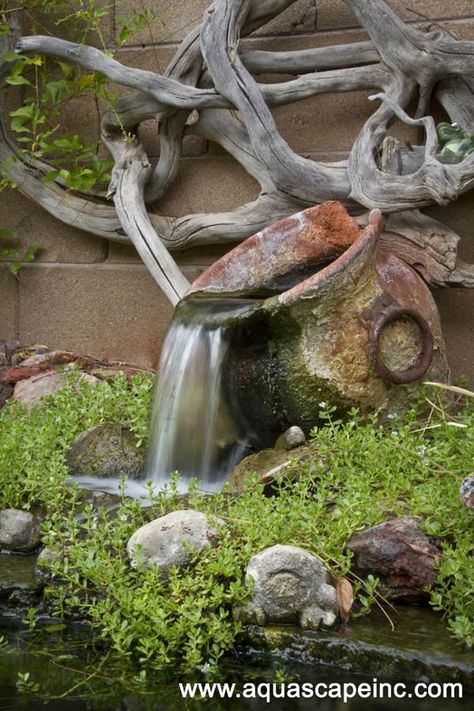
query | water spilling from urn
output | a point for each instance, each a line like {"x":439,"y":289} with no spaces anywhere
{"x":195,"y":430}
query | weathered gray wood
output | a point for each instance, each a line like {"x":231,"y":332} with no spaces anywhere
{"x":310,"y":60}
{"x":429,"y":246}
{"x":127,"y":187}
{"x":456,"y":95}
{"x":208,"y":90}
{"x":432,"y":182}
{"x":293,"y":175}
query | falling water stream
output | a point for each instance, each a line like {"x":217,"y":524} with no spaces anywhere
{"x":195,"y":430}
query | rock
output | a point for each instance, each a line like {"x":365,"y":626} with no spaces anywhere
{"x":270,"y":465}
{"x":6,"y":391}
{"x":21,"y":354}
{"x":106,"y":450}
{"x":30,"y":391}
{"x":401,"y":555}
{"x":466,"y":491}
{"x":419,"y":646}
{"x":42,"y":569}
{"x":172,"y":540}
{"x":7,"y":348}
{"x":110,"y":372}
{"x":19,"y":589}
{"x":38,"y":363}
{"x":19,"y":531}
{"x":292,"y":438}
{"x":289,"y":585}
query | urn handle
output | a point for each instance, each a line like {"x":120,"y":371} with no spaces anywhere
{"x":413,"y":373}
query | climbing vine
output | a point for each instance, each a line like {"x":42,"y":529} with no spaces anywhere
{"x":45,"y":87}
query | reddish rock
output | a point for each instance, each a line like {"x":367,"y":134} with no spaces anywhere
{"x":40,"y":363}
{"x":400,"y":555}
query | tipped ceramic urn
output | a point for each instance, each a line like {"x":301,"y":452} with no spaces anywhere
{"x":333,"y":317}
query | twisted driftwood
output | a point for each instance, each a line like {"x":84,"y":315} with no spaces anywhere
{"x":210,"y":79}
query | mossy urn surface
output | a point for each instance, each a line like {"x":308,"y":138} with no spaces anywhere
{"x":332,"y":317}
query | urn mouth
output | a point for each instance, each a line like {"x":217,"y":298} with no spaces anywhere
{"x":291,"y":257}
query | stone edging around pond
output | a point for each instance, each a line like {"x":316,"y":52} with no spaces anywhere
{"x":419,"y":646}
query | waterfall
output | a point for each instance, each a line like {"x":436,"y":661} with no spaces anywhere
{"x":194,"y":431}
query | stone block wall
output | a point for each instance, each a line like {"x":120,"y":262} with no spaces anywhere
{"x":95,"y":297}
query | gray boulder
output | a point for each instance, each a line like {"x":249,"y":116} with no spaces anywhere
{"x":292,"y":438}
{"x":172,"y":540}
{"x":19,"y":531}
{"x":106,"y":450}
{"x":289,"y":585}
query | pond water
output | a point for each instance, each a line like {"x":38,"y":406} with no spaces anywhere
{"x":67,"y":672}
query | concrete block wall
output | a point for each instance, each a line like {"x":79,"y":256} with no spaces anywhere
{"x":95,"y":297}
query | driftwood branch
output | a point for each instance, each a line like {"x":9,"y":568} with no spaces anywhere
{"x":211,"y":89}
{"x":127,"y":188}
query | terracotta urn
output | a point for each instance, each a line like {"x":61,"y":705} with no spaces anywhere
{"x":330,"y":316}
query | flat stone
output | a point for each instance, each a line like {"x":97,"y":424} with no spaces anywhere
{"x":38,"y":363}
{"x":270,"y":465}
{"x":19,"y":531}
{"x":172,"y":540}
{"x":30,"y":391}
{"x":401,"y":555}
{"x":106,"y":450}
{"x":22,"y":353}
{"x":420,"y":647}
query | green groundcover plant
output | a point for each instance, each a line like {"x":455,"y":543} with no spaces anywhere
{"x":361,"y":473}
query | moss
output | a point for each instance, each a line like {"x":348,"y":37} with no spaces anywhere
{"x":299,"y":391}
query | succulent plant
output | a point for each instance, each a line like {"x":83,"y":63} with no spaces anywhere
{"x":454,"y":143}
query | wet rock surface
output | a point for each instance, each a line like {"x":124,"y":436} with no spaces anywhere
{"x":401,"y":555}
{"x":418,"y":647}
{"x":19,"y":588}
{"x":19,"y":531}
{"x":106,"y":450}
{"x":172,"y":540}
{"x":289,"y":585}
{"x":42,"y":565}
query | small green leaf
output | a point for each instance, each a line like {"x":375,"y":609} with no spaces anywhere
{"x":18,"y":81}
